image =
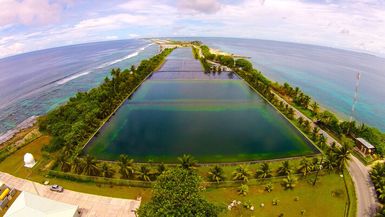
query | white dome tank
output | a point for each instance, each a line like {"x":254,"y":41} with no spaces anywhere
{"x":29,"y":161}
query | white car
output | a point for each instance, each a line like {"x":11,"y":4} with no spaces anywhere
{"x":56,"y":188}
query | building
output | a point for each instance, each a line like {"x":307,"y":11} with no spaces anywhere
{"x":32,"y":205}
{"x":364,"y":146}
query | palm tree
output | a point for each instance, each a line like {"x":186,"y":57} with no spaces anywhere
{"x":90,"y":166}
{"x":315,"y":163}
{"x":264,"y":171}
{"x":216,"y":174}
{"x":377,"y":174}
{"x":144,"y":173}
{"x":300,"y":121}
{"x":342,"y":155}
{"x":106,"y":170}
{"x":306,"y":126}
{"x":160,"y":168}
{"x":305,"y":166}
{"x":269,"y":187}
{"x":241,"y":173}
{"x":314,"y":133}
{"x":284,"y":169}
{"x":187,"y":162}
{"x":78,"y":165}
{"x":322,"y":139}
{"x":315,"y":107}
{"x":289,"y":182}
{"x":126,"y":168}
{"x":64,"y":165}
{"x":243,"y":189}
{"x":381,"y":193}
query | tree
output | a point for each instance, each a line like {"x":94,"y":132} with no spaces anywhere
{"x":269,"y":187}
{"x":177,"y":193}
{"x":300,"y":120}
{"x":187,"y":162}
{"x":106,"y":170}
{"x":305,"y":166}
{"x":306,"y":126}
{"x":243,"y":190}
{"x":264,"y":171}
{"x":161,"y":168}
{"x":315,"y":107}
{"x":289,"y":182}
{"x":244,"y":64}
{"x":241,"y":173}
{"x":78,"y":165}
{"x":90,"y":166}
{"x":216,"y":174}
{"x":342,"y":155}
{"x":284,"y":169}
{"x":126,"y":168}
{"x":381,"y":193}
{"x":63,"y":163}
{"x":143,"y":173}
{"x":322,"y":140}
{"x":314,"y":133}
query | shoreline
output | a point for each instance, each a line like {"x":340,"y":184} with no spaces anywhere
{"x":27,"y":123}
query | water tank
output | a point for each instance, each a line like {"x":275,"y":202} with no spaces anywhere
{"x":29,"y":161}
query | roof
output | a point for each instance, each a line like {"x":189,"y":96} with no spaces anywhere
{"x":365,"y":143}
{"x":32,"y":205}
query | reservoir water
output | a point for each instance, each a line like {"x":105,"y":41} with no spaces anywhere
{"x":182,"y":110}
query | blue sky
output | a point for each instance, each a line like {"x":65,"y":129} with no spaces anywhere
{"x":27,"y":25}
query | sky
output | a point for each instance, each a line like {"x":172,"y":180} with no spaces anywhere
{"x":27,"y":25}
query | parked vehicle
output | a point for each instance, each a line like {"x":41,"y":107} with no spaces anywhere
{"x":56,"y":188}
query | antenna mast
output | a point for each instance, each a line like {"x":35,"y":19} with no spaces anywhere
{"x":358,"y":77}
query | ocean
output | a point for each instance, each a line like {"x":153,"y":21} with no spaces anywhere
{"x":36,"y":82}
{"x":328,"y":75}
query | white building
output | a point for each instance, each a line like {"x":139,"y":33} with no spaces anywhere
{"x":32,"y":205}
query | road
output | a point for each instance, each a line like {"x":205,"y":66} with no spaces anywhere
{"x":90,"y":205}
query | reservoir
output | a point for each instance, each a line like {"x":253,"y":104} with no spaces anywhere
{"x":213,"y":117}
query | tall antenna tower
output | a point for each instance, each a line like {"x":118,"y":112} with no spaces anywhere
{"x":358,"y":77}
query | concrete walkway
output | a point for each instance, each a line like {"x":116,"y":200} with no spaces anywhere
{"x":90,"y":205}
{"x":367,"y":203}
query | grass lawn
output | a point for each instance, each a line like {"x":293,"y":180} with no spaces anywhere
{"x":14,"y":165}
{"x":327,"y":198}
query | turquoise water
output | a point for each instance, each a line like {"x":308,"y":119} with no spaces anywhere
{"x":36,"y":82}
{"x":328,"y":75}
{"x":215,"y":120}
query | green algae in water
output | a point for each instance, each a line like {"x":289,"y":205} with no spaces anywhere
{"x":213,"y":120}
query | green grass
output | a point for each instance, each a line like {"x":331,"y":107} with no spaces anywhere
{"x":320,"y":200}
{"x":327,"y":198}
{"x":14,"y":165}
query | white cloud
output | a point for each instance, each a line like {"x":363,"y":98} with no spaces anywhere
{"x":346,"y":24}
{"x":28,"y":12}
{"x":203,"y":6}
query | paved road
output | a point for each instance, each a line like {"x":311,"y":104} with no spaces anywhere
{"x":365,"y":191}
{"x":90,"y":205}
{"x":367,"y":203}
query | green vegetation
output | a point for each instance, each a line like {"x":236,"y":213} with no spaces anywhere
{"x":378,"y":177}
{"x":327,"y":198}
{"x":177,"y":193}
{"x":72,"y":124}
{"x":244,"y":65}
